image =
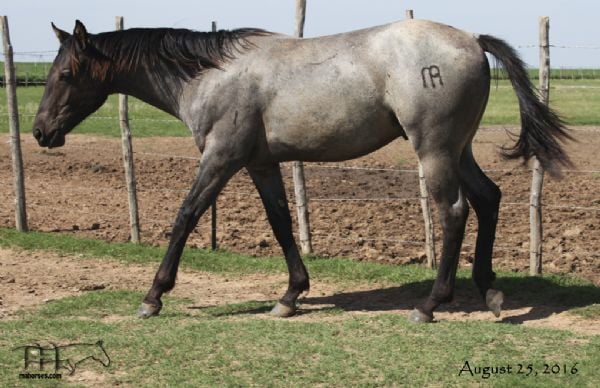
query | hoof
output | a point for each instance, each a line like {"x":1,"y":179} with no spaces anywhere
{"x":494,"y":300}
{"x":148,"y":310}
{"x":282,"y":311}
{"x":416,"y":316}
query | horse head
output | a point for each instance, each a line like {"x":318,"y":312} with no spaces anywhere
{"x":75,"y":88}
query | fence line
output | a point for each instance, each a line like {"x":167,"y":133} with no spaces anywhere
{"x":315,"y":234}
{"x":254,"y":195}
{"x":518,"y":169}
{"x":561,"y":46}
{"x":499,"y":128}
{"x":26,"y":82}
{"x":524,"y":45}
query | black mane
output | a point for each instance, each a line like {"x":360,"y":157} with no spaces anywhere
{"x":184,"y":53}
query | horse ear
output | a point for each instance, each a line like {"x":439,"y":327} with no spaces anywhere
{"x":60,"y":34}
{"x":80,"y":34}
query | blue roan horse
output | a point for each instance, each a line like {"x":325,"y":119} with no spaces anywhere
{"x":253,"y":99}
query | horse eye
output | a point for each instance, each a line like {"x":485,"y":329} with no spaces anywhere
{"x":65,"y":74}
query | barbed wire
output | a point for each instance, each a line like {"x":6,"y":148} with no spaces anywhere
{"x":254,"y":195}
{"x":556,"y":87}
{"x":172,"y":120}
{"x":40,"y":52}
{"x":519,"y":170}
{"x":96,"y":117}
{"x":525,"y":45}
{"x":322,"y":235}
{"x":359,"y":239}
{"x":561,"y":46}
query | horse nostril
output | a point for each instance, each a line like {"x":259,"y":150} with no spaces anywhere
{"x":37,"y":133}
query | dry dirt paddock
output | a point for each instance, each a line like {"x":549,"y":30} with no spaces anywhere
{"x":364,"y":209}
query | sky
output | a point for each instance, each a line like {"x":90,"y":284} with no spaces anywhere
{"x":573,"y":23}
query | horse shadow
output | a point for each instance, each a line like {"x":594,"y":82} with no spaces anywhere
{"x":540,"y":297}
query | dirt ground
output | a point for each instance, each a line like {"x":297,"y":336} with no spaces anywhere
{"x":370,"y":213}
{"x":45,"y":281}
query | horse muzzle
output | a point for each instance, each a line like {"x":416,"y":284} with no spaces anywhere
{"x":55,"y":139}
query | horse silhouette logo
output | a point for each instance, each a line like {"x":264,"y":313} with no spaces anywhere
{"x":67,"y":357}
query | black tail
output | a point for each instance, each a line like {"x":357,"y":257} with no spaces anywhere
{"x":542,"y":130}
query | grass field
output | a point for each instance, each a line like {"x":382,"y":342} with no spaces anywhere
{"x":236,"y":345}
{"x":227,"y":346}
{"x":145,"y":119}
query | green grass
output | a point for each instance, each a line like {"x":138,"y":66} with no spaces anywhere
{"x":563,"y":291}
{"x":145,"y":120}
{"x":34,"y":72}
{"x":242,"y":347}
{"x":238,"y":345}
{"x":576,"y":101}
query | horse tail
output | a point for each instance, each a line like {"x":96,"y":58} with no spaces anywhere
{"x":542,"y":130}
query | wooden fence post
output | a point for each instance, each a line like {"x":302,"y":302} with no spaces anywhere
{"x":134,"y":220}
{"x":213,"y":206}
{"x":297,"y":167}
{"x":13,"y":123}
{"x":537,"y":181}
{"x":427,"y":219}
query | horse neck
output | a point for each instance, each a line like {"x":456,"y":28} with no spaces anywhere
{"x":156,"y":64}
{"x":132,"y":72}
{"x":161,"y":92}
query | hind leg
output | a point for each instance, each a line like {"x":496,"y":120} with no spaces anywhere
{"x":267,"y":180}
{"x":484,"y":196}
{"x":441,"y":172}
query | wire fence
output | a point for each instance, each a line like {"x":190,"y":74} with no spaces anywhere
{"x":32,"y":66}
{"x":358,"y":237}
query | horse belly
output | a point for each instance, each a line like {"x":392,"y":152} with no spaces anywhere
{"x":331,"y":134}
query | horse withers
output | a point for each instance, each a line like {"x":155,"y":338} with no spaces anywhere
{"x":253,"y":99}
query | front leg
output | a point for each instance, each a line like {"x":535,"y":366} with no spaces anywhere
{"x":213,"y":174}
